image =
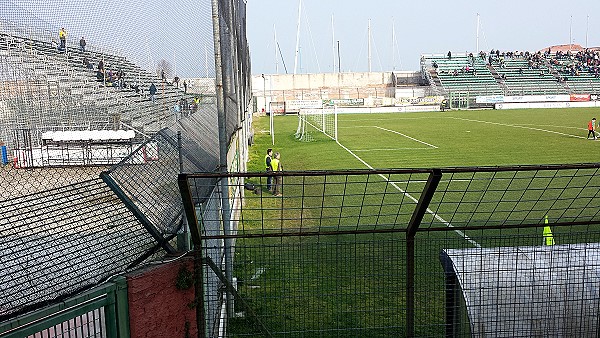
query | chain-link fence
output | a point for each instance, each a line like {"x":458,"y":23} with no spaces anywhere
{"x":72,"y":222}
{"x":502,"y":251}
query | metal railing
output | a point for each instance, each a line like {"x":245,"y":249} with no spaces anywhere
{"x":100,"y":312}
{"x":358,"y":252}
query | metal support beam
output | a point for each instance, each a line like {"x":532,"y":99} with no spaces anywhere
{"x":138,"y":214}
{"x":413,"y":225}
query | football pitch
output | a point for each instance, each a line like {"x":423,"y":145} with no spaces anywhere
{"x":354,"y":284}
{"x":434,"y":139}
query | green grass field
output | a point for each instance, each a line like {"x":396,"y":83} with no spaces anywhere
{"x":461,"y":138}
{"x":354,"y":285}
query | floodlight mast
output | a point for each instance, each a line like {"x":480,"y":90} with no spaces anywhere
{"x":477,"y":38}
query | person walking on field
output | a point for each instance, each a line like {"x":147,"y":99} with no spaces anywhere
{"x":592,"y":128}
{"x":277,"y":167}
{"x":268,"y":159}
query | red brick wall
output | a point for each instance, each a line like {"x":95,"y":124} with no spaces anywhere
{"x":156,"y":307}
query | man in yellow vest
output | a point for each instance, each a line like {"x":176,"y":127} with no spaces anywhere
{"x":269,"y":168}
{"x":62,"y":35}
{"x":277,"y":167}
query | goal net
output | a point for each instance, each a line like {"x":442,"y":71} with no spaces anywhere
{"x":317,"y":121}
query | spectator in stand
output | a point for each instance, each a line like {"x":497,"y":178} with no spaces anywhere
{"x":62,"y":35}
{"x":185,"y":87}
{"x":111,"y":76}
{"x":99,"y":76}
{"x":176,"y":81}
{"x":177,"y":110}
{"x":101,"y":66}
{"x":82,"y":44}
{"x":87,"y":63}
{"x":163,"y":77}
{"x":135,"y":87}
{"x":193,"y":106}
{"x":152,"y":91}
{"x":121,"y":78}
{"x":449,"y":55}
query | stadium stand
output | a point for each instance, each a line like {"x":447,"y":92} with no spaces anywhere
{"x":582,"y":70}
{"x":56,"y":90}
{"x":461,"y":74}
{"x":513,"y":73}
{"x":523,"y":77}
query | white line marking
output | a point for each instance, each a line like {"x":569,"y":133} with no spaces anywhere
{"x":258,"y":273}
{"x":517,"y":126}
{"x":435,"y":215}
{"x":414,"y":139}
{"x":388,"y":149}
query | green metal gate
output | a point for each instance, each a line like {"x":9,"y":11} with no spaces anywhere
{"x":100,"y":312}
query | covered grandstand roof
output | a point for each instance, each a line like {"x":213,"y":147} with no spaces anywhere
{"x":536,"y":291}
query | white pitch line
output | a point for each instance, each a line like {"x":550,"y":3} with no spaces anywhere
{"x":389,"y":149}
{"x":414,"y":139}
{"x":517,"y":126}
{"x":435,"y":215}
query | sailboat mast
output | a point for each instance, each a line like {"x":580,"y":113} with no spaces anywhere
{"x":393,"y":45}
{"x":369,"y":44}
{"x":275,"y":49}
{"x":298,"y":37}
{"x":332,"y":44}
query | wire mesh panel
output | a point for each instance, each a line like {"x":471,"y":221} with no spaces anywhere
{"x":427,"y":253}
{"x":148,"y":178}
{"x":58,"y":241}
{"x":64,"y":229}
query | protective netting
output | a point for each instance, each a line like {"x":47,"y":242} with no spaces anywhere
{"x":71,"y":217}
{"x":319,"y":120}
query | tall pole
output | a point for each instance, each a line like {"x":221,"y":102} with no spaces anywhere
{"x":223,"y":142}
{"x":264,"y":92}
{"x":587,"y":28}
{"x":393,"y":45}
{"x":339,"y":60}
{"x":332,"y":44}
{"x":369,"y":44}
{"x":275,"y":45}
{"x":571,"y":34}
{"x":298,"y":37}
{"x":477,"y":40}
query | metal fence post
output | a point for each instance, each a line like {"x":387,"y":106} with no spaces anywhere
{"x":122,"y":307}
{"x":217,"y":11}
{"x":110,"y":314}
{"x":411,"y":230}
{"x":195,"y":232}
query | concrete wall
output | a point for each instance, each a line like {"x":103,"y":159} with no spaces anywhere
{"x":324,"y":80}
{"x":156,"y":307}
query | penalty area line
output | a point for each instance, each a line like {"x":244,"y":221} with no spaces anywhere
{"x":389,"y":149}
{"x":412,"y":138}
{"x":434,"y":214}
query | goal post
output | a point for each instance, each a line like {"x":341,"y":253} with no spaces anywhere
{"x":323,"y":120}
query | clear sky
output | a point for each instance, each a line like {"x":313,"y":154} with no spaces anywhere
{"x":145,"y":31}
{"x":421,"y":27}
